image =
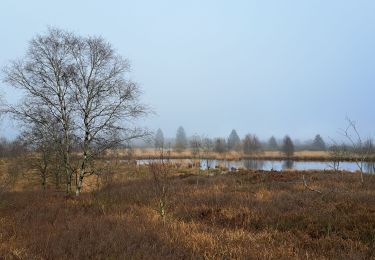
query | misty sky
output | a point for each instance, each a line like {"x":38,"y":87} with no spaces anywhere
{"x":265,"y":67}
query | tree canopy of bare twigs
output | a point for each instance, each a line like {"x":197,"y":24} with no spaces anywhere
{"x":44,"y":157}
{"x":79,"y":84}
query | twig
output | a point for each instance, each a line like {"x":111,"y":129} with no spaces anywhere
{"x":307,"y":187}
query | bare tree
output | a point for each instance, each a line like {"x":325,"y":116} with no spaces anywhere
{"x":318,"y":143}
{"x":220,"y":145}
{"x":196,"y":149}
{"x":161,"y":171}
{"x":234,"y":142}
{"x":196,"y":145}
{"x":105,"y":102}
{"x":272,"y":144}
{"x":181,"y":140}
{"x":44,"y":154}
{"x":159,"y":139}
{"x":337,"y":153}
{"x":251,"y":144}
{"x":207,"y":147}
{"x":288,"y":147}
{"x":369,"y":146}
{"x":43,"y":75}
{"x":80,"y":83}
{"x":360,"y":150}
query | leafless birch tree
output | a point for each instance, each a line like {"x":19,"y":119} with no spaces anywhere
{"x":104,"y":101}
{"x":43,"y":75}
{"x":80,"y":83}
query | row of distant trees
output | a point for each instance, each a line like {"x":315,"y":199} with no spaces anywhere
{"x":250,"y":144}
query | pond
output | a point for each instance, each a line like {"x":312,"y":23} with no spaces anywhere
{"x":269,"y":165}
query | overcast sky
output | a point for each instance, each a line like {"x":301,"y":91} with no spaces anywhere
{"x":265,"y":67}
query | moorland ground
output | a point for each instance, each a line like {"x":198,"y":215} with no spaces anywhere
{"x":210,"y":215}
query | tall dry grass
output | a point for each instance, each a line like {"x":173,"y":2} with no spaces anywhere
{"x":147,"y":153}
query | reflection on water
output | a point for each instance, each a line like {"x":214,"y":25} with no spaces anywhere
{"x":207,"y":164}
{"x":369,"y":167}
{"x":253,"y":164}
{"x":267,"y":165}
{"x":288,"y":164}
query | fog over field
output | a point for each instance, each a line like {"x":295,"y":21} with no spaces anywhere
{"x":270,"y":68}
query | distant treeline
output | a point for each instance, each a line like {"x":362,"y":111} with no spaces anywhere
{"x":233,"y":142}
{"x":248,"y":144}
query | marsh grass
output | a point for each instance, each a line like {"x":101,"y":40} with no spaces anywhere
{"x":232,"y":155}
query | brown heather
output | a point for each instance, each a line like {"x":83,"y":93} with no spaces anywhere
{"x":242,"y":215}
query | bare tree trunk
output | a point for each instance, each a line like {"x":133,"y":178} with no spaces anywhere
{"x":81,"y":176}
{"x":66,"y":148}
{"x":79,"y":184}
{"x":67,"y":175}
{"x":86,"y":147}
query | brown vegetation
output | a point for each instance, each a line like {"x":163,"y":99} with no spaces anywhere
{"x":235,"y":155}
{"x":244,"y":215}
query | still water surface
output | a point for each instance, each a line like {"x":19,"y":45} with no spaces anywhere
{"x":268,"y":165}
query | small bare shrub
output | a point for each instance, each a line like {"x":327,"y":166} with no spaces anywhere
{"x":160,"y":172}
{"x":360,"y":153}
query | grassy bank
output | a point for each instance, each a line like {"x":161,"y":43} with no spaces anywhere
{"x":243,"y":215}
{"x":148,"y":153}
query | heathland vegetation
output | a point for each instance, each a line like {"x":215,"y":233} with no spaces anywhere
{"x":71,"y":186}
{"x":214,"y":214}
